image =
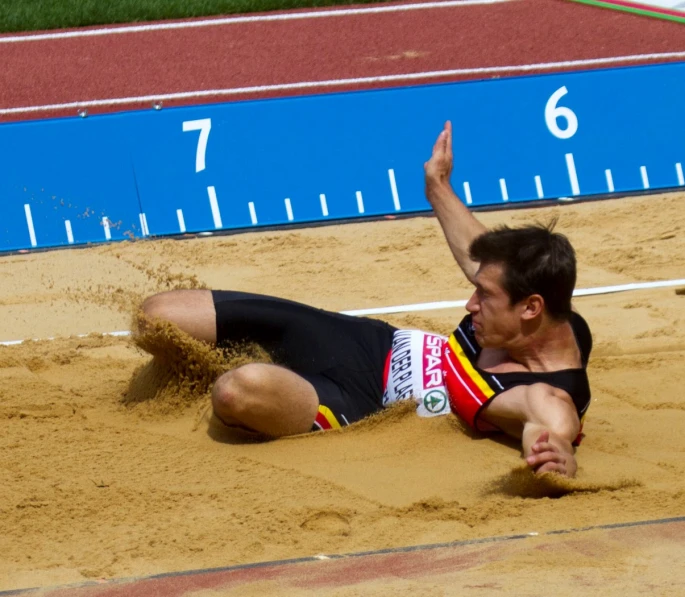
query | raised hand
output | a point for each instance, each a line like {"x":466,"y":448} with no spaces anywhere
{"x":438,"y":168}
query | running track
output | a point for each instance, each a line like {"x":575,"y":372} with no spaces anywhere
{"x":124,"y":68}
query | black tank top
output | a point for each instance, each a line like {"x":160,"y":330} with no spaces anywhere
{"x":572,"y":381}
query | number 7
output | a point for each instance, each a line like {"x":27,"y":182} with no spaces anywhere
{"x":204,"y":126}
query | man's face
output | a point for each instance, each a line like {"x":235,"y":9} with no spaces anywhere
{"x":495,"y":320}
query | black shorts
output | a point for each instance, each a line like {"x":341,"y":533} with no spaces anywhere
{"x":342,"y":356}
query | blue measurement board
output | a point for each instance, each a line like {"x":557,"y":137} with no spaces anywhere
{"x":325,"y":157}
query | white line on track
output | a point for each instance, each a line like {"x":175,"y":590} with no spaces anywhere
{"x":438,"y":74}
{"x":440,"y":304}
{"x":290,"y":16}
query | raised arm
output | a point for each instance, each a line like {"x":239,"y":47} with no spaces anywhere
{"x":458,"y":223}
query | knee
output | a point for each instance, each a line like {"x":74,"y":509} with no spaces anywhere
{"x":159,"y":306}
{"x":237,"y":391}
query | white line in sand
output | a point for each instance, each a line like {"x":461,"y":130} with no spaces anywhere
{"x":438,"y":305}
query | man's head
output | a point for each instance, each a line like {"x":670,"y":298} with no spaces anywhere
{"x":524,"y":273}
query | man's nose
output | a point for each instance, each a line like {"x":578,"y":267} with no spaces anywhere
{"x":472,"y":306}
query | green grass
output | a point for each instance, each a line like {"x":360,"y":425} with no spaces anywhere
{"x":32,"y":15}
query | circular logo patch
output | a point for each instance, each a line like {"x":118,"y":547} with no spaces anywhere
{"x":434,"y":401}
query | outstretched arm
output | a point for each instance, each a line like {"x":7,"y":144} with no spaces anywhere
{"x":458,"y":223}
{"x":545,"y":420}
{"x":550,"y":427}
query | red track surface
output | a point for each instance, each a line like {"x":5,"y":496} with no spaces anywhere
{"x":520,"y":32}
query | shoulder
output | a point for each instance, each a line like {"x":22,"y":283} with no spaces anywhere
{"x":583,"y":335}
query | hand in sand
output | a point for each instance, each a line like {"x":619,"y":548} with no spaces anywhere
{"x":547,"y":457}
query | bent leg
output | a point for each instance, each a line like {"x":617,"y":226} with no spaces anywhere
{"x":266,"y":398}
{"x":191,"y":310}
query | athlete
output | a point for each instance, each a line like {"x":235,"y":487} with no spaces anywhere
{"x":515,"y":364}
{"x":518,"y":361}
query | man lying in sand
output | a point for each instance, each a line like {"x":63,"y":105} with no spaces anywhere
{"x":516,"y":363}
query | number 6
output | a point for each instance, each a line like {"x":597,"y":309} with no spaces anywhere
{"x":552,"y":113}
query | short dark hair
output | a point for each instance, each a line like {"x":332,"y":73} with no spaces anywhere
{"x":535,"y":261}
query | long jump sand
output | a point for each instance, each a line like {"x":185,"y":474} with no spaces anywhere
{"x":110,"y":467}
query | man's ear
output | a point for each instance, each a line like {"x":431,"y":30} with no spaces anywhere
{"x":532,"y":307}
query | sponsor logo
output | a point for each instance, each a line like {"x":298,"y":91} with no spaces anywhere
{"x":432,"y":361}
{"x":435,"y":401}
{"x":416,"y":366}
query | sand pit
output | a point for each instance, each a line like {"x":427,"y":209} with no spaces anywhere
{"x":109,"y":468}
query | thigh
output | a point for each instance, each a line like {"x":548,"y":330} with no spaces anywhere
{"x":299,"y":336}
{"x":266,"y":398}
{"x":191,"y":310}
{"x":277,"y":401}
{"x":349,"y":351}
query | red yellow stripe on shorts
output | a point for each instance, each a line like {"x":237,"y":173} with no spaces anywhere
{"x":325,"y":419}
